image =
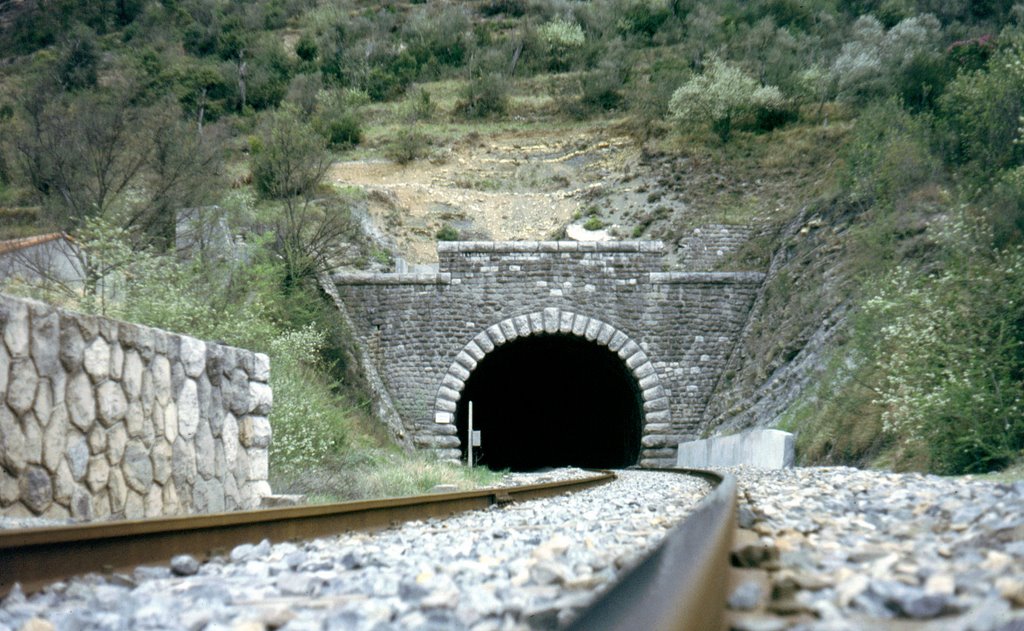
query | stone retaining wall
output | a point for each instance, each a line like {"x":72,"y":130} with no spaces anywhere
{"x":106,"y":419}
{"x":705,"y":247}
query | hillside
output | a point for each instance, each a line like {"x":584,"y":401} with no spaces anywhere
{"x":863,"y":152}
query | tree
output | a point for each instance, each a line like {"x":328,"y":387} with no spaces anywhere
{"x":562,"y":40}
{"x":876,"y":62}
{"x":78,"y":60}
{"x":183,"y":170}
{"x":289,"y":164}
{"x":721,"y":96}
{"x":79,"y":153}
{"x":95,"y":154}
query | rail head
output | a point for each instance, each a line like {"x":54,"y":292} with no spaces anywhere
{"x":682,"y":585}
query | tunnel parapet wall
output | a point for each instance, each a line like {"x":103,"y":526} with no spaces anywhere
{"x":424,"y":333}
{"x":101,"y":418}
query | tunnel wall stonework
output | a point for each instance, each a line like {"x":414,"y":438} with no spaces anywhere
{"x":425,"y":333}
{"x":101,"y":418}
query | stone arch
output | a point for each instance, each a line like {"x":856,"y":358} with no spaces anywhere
{"x":552,"y":320}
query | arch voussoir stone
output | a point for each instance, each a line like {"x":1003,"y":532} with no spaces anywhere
{"x":579,"y":325}
{"x":508,"y":328}
{"x":550,"y":321}
{"x":483,"y":341}
{"x":495,"y":333}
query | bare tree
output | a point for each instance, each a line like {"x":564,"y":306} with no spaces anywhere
{"x":289,"y":167}
{"x":94,"y":154}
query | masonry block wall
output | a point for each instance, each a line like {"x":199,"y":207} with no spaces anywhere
{"x":425,"y":333}
{"x":104,"y":419}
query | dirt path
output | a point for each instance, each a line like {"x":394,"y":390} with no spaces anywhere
{"x":504,"y":187}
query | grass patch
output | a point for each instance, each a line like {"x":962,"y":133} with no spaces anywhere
{"x":1013,"y":473}
{"x":379,"y":471}
{"x":838,"y":422}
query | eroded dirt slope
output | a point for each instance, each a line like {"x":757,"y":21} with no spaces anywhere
{"x":506,"y":187}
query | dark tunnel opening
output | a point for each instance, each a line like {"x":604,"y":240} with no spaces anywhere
{"x":552,"y":400}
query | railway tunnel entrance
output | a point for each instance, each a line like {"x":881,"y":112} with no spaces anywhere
{"x":552,"y":400}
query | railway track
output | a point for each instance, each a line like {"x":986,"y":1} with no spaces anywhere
{"x":681,"y":584}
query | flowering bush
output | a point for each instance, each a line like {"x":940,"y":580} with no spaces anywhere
{"x":721,"y":96}
{"x":561,"y":39}
{"x":308,"y":421}
{"x":875,"y":61}
{"x":951,"y":352}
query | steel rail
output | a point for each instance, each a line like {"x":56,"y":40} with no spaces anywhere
{"x":37,"y":556}
{"x":682,"y":585}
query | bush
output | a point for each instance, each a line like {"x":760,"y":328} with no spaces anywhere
{"x":439,"y":37}
{"x":774,"y":115}
{"x":309,"y":422}
{"x":876,"y":62}
{"x":561,"y":40}
{"x":390,"y":79}
{"x":408,"y":145}
{"x":447,"y":233}
{"x":1005,"y":206}
{"x":722,"y":96}
{"x":485,"y":95}
{"x":306,"y":48}
{"x":344,"y":131}
{"x":511,"y":8}
{"x":420,"y":106}
{"x":888,"y":155}
{"x":982,"y":113}
{"x":952,"y":351}
{"x":289,"y":159}
{"x":643,"y":18}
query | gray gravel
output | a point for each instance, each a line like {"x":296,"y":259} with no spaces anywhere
{"x":523,"y":566}
{"x":876,"y":550}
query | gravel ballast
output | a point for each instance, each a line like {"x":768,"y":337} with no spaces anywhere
{"x":862,"y":550}
{"x":521,"y":566}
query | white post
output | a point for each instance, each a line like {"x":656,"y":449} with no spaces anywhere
{"x":469,"y":436}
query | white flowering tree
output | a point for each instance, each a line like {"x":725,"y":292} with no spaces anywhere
{"x":870,"y":63}
{"x":721,"y":96}
{"x":562,"y":38}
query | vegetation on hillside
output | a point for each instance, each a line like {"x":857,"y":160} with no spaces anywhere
{"x":120,"y":121}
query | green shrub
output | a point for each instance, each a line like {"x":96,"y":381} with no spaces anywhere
{"x":306,"y":48}
{"x":643,"y":17}
{"x":951,"y":347}
{"x":388,"y":80}
{"x":420,"y":106}
{"x":289,"y":159}
{"x":344,"y":131}
{"x":408,"y":145}
{"x":888,"y":155}
{"x":309,"y":421}
{"x":562,"y":40}
{"x":447,"y":233}
{"x":982,"y":112}
{"x":485,"y":95}
{"x":1004,"y":204}
{"x":774,"y":115}
{"x":593,"y":223}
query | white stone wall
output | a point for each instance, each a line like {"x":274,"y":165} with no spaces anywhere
{"x":105,"y":419}
{"x":761,"y":448}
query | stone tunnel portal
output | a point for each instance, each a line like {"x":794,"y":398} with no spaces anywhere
{"x":552,"y":400}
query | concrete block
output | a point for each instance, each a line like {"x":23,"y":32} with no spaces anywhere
{"x":763,"y":448}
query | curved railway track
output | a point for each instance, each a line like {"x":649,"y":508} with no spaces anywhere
{"x":681,"y":584}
